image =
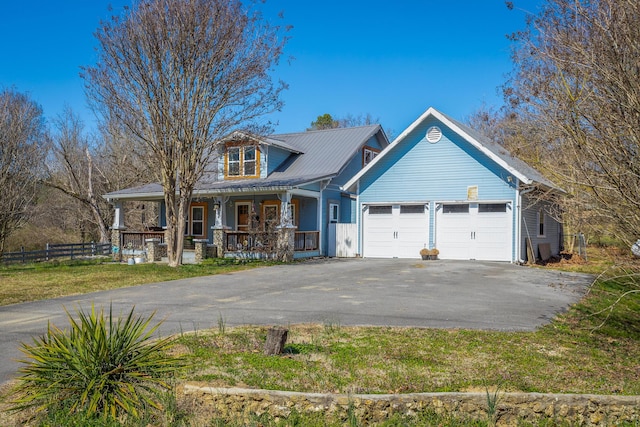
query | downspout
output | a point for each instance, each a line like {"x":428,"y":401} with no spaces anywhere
{"x":321,"y":227}
{"x":519,"y":195}
{"x":359,"y":219}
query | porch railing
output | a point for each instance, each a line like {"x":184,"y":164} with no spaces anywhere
{"x":265,"y":242}
{"x":249,"y":241}
{"x":136,"y":239}
{"x":306,"y":241}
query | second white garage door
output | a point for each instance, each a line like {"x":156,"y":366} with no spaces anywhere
{"x":395,"y":231}
{"x":481,"y":231}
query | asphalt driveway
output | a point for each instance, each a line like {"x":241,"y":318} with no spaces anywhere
{"x":394,"y":292}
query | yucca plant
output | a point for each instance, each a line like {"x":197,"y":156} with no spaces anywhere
{"x":105,"y":367}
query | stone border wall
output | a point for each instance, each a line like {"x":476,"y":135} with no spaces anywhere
{"x":579,"y":409}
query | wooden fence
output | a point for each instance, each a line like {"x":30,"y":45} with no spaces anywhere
{"x":71,"y":250}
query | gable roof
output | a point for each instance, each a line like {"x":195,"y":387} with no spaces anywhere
{"x":491,"y":149}
{"x":268,"y":140}
{"x":314,"y":156}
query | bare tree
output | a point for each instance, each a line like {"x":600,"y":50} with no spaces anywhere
{"x":577,"y":74}
{"x":179,"y":75}
{"x":23,"y":147}
{"x":326,"y":121}
{"x":73,"y":170}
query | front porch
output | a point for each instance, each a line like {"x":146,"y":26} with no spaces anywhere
{"x":235,"y":244}
{"x":268,"y":225}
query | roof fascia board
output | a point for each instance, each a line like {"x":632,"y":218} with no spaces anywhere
{"x":134,"y":196}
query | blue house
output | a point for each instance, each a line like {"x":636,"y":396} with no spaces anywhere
{"x":255,"y":185}
{"x":442,"y":185}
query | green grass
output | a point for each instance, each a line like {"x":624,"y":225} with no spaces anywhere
{"x":32,"y":282}
{"x":592,"y":348}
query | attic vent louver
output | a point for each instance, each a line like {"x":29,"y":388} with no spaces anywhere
{"x":434,"y":134}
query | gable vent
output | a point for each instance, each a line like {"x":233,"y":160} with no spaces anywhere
{"x":434,"y":134}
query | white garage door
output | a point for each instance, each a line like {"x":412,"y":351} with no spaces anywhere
{"x":395,"y":231}
{"x":481,"y":231}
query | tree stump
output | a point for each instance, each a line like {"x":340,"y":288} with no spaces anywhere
{"x":276,"y":339}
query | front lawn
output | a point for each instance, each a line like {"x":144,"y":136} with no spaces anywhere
{"x":32,"y":282}
{"x":593,"y":348}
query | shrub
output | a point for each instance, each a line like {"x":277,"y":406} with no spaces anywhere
{"x":107,"y":368}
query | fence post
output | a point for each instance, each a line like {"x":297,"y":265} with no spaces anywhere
{"x":93,"y":248}
{"x":46,"y":253}
{"x":23,"y":254}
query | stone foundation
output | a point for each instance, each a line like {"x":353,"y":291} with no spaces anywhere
{"x":285,"y":243}
{"x":578,"y":409}
{"x":153,"y":249}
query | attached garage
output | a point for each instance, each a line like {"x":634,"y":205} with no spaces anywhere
{"x":395,"y":231}
{"x":442,"y":185}
{"x":481,"y":231}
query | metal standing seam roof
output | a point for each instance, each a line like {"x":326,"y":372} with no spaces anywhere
{"x":315,"y":155}
{"x":326,"y":152}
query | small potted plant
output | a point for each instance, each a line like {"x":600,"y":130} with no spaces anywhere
{"x":429,"y":253}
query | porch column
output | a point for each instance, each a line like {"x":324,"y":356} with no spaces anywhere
{"x":285,"y":246}
{"x":219,"y":227}
{"x":116,"y":230}
{"x":218,"y":203}
{"x":285,"y":209}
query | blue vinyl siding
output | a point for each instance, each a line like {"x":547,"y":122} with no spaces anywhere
{"x":355,"y":165}
{"x":307,"y":215}
{"x":440,"y":171}
{"x":274,"y":157}
{"x":419,"y":171}
{"x":352,"y":168}
{"x":552,"y":234}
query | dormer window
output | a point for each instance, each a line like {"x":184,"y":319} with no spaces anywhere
{"x":368,"y":154}
{"x":242,"y":161}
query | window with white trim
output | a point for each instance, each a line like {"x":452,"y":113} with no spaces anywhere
{"x":368,"y":154}
{"x":334,"y":213}
{"x":197,"y":220}
{"x":242,"y":161}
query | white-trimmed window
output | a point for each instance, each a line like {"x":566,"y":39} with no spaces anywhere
{"x":196,"y":223}
{"x":242,"y":161}
{"x":334,"y":213}
{"x":197,"y":220}
{"x":541,"y":220}
{"x":368,"y":154}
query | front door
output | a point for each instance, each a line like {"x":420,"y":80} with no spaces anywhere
{"x":242,"y":216}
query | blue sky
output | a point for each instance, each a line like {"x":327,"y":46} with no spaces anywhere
{"x":389,"y":59}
